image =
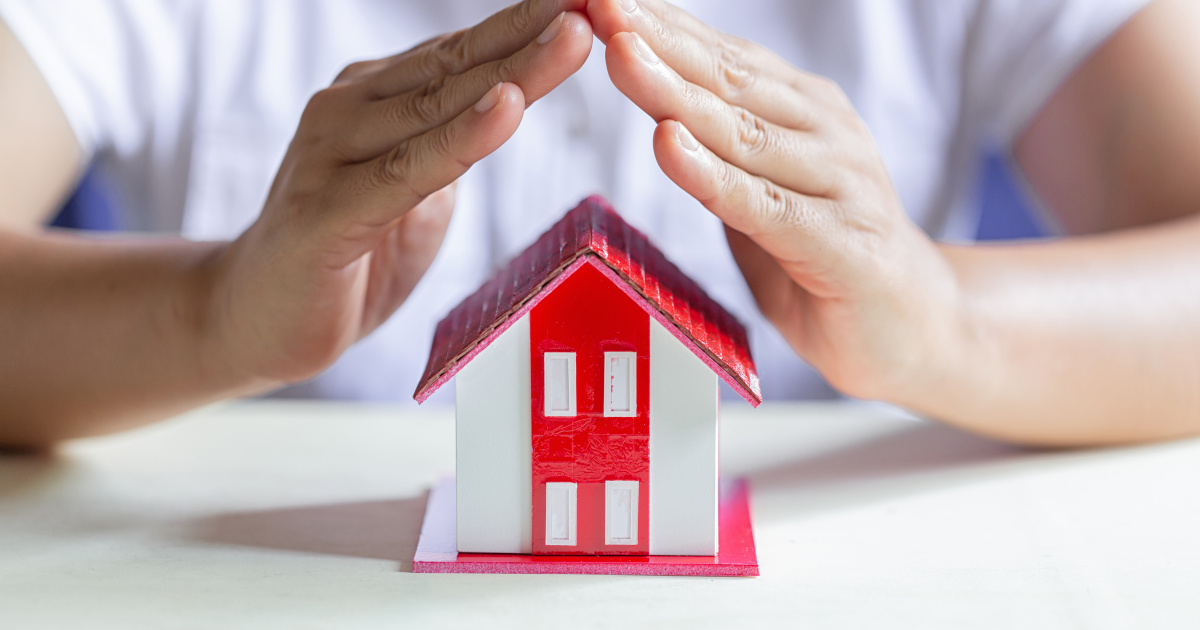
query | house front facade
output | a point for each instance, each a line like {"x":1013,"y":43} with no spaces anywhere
{"x":586,"y":414}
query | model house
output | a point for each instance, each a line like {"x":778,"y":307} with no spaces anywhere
{"x":586,"y":397}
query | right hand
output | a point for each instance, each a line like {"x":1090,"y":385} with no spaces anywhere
{"x":362,"y":199}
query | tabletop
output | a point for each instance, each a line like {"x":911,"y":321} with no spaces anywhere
{"x":306,"y":515}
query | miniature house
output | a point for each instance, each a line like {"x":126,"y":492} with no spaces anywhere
{"x":586,"y":397}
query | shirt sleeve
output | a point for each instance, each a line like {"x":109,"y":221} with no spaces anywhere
{"x":1021,"y":51}
{"x":113,"y":66}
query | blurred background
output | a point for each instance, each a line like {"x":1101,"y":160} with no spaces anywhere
{"x":1005,"y":210}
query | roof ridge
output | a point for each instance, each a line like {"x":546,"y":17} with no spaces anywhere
{"x":594,"y":227}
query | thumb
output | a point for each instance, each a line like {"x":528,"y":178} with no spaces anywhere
{"x":405,"y":254}
{"x":777,"y":295}
{"x":417,"y":237}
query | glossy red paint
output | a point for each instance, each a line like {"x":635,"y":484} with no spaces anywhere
{"x":594,"y":229}
{"x":588,"y":314}
{"x":437,"y":546}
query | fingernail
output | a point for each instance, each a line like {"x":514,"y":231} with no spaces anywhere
{"x":643,"y":50}
{"x":629,"y":5}
{"x":552,"y":31}
{"x":686,"y":139}
{"x":489,"y":100}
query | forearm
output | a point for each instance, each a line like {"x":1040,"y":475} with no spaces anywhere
{"x":97,"y":336}
{"x":1077,"y":342}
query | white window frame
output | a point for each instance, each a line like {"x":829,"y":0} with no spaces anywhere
{"x":571,"y":490}
{"x":609,"y":412}
{"x":547,"y":360}
{"x":612,"y":489}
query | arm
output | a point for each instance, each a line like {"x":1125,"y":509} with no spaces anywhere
{"x":39,"y":157}
{"x":1082,"y":341}
{"x":1100,"y":333}
{"x":102,"y":335}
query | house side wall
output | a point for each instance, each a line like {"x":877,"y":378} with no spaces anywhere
{"x":494,"y":493}
{"x":683,"y":449}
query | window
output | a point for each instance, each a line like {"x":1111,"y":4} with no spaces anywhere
{"x":560,"y":513}
{"x":620,"y":384}
{"x":559,"y":393}
{"x":620,"y":512}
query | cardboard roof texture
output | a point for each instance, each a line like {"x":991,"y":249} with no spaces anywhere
{"x":593,"y":231}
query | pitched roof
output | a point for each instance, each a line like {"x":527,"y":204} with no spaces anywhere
{"x":593,"y":231}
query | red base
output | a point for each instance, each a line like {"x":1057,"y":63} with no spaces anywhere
{"x":437,"y":548}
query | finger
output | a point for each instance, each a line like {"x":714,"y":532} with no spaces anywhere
{"x":788,"y":225}
{"x":378,"y":192}
{"x":496,"y":37}
{"x":734,"y":69}
{"x":790,"y":158}
{"x":537,"y":68}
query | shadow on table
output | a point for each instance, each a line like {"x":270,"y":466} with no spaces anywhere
{"x":30,"y":471}
{"x":380,"y":530}
{"x":921,"y":458}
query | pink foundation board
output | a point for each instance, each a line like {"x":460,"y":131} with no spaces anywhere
{"x":736,"y":557}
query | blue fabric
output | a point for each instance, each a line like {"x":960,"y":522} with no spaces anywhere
{"x":1006,"y":212}
{"x":89,"y":208}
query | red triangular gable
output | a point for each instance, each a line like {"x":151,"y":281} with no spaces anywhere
{"x":593,"y":233}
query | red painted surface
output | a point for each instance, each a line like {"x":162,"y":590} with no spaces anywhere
{"x":589,"y":315}
{"x":436,"y":549}
{"x":593,"y":228}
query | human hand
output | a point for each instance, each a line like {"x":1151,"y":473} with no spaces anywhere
{"x":363,"y":197}
{"x":781,"y":157}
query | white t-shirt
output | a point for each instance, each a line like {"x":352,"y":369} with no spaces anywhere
{"x":188,"y":106}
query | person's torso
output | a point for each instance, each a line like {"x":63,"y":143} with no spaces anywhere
{"x":260,"y":62}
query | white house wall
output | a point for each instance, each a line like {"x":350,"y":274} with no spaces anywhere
{"x":683,"y":449}
{"x":495,"y":486}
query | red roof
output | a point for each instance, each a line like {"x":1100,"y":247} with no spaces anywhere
{"x":593,"y":230}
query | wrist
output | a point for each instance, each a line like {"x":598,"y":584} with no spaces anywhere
{"x":953,"y":374}
{"x":219,"y":341}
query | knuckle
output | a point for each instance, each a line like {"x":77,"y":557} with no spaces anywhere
{"x":831,"y":90}
{"x":753,"y":136}
{"x":505,"y":71}
{"x":524,"y":18}
{"x":432,"y":87}
{"x":424,"y":106}
{"x":450,"y":54}
{"x":411,"y":164}
{"x":441,"y":144}
{"x":668,"y":42}
{"x":733,"y":75}
{"x":774,"y":210}
{"x":693,"y":98}
{"x":347,"y":72}
{"x":319,"y":117}
{"x":726,"y":181}
{"x":445,"y":146}
{"x":322,"y":100}
{"x":785,"y":211}
{"x":802,"y":118}
{"x":394,"y":166}
{"x":426,"y":46}
{"x":354,"y":70}
{"x":418,"y":108}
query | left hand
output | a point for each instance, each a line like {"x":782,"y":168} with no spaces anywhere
{"x":781,"y":157}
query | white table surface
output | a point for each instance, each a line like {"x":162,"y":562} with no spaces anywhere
{"x":303,"y":515}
